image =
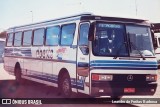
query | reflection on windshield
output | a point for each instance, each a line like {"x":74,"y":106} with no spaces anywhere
{"x":109,"y":39}
{"x":141,"y":39}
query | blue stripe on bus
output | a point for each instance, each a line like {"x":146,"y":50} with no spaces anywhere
{"x":123,"y":68}
{"x":67,"y":61}
{"x":83,"y":64}
{"x":18,"y":52}
{"x":79,"y":84}
{"x":122,"y":65}
{"x":120,"y":61}
{"x":42,"y":78}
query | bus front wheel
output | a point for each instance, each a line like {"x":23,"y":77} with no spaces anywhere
{"x":65,"y":86}
{"x":18,"y":74}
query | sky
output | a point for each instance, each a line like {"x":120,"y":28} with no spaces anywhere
{"x":20,"y":12}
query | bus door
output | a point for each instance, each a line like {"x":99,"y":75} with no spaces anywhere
{"x":83,"y":59}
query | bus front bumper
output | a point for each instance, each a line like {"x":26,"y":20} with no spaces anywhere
{"x":120,"y":89}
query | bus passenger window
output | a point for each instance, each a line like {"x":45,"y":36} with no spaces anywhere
{"x":83,"y":39}
{"x":38,"y":37}
{"x":67,"y":34}
{"x":9,"y":39}
{"x":52,"y":35}
{"x":17,"y":39}
{"x":27,"y":38}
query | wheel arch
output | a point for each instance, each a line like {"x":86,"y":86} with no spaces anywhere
{"x":17,"y":65}
{"x":61,"y":73}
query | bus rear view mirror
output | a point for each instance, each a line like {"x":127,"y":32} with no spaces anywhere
{"x":91,"y":35}
{"x":154,"y":40}
{"x":155,"y":43}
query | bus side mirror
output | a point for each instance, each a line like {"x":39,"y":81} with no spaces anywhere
{"x":91,"y":35}
{"x":155,"y":43}
{"x":154,"y":40}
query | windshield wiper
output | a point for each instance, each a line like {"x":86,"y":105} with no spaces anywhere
{"x":117,"y":52}
{"x":134,"y":46}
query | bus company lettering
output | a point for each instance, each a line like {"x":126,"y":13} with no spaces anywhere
{"x":61,"y":50}
{"x":60,"y":53}
{"x":46,"y":53}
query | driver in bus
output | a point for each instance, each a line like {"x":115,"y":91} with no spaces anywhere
{"x":111,"y":43}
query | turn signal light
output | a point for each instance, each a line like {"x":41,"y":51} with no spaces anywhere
{"x":95,"y":77}
{"x":98,"y":77}
{"x":151,"y":78}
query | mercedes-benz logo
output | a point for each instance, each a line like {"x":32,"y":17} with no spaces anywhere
{"x":130,"y":77}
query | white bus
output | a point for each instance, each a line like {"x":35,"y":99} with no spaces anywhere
{"x":156,"y":31}
{"x":157,"y":49}
{"x":2,"y":45}
{"x":94,"y":55}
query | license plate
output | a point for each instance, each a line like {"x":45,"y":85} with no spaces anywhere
{"x":129,"y":90}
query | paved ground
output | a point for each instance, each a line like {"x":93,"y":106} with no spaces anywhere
{"x":9,"y":89}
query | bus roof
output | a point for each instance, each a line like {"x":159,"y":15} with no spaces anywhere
{"x":57,"y":19}
{"x":84,"y":16}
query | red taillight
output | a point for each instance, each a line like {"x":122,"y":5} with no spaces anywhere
{"x":95,"y":77}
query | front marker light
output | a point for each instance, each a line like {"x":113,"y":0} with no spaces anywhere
{"x":151,"y":78}
{"x":99,"y":77}
{"x":106,"y":77}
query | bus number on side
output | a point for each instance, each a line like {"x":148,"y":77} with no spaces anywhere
{"x":46,"y":53}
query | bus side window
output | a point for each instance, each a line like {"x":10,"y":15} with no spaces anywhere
{"x":10,"y":39}
{"x":18,"y":39}
{"x":38,"y":37}
{"x":67,"y":34}
{"x":52,"y":36}
{"x":83,"y":37}
{"x":27,"y":38}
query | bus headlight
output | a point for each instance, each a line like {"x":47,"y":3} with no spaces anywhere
{"x":98,"y":77}
{"x":151,"y":77}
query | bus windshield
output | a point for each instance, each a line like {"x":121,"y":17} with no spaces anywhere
{"x":140,"y":40}
{"x":111,"y":40}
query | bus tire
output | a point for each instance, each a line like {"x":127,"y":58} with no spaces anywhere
{"x":116,"y":98}
{"x":18,"y":74}
{"x":65,"y":85}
